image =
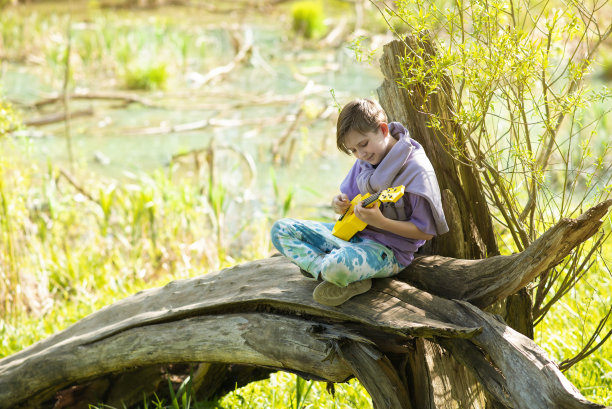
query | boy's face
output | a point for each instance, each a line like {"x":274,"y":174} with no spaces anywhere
{"x":371,"y":147}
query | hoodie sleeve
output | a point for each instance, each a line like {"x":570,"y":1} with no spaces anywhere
{"x":422,"y":215}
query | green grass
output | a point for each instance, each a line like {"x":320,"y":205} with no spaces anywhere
{"x":281,"y":391}
{"x":581,"y":311}
{"x":140,"y":51}
{"x":146,"y":78}
{"x":285,"y":390}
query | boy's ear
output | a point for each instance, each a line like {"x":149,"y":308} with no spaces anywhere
{"x":384,"y":127}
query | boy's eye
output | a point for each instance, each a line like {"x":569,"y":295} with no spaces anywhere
{"x":360,"y":146}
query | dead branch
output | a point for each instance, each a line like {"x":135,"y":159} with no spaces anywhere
{"x":77,"y":186}
{"x":57,"y":117}
{"x":280,"y":142}
{"x":589,"y":348}
{"x":207,"y":123}
{"x":105,"y":96}
{"x":241,"y":56}
{"x":463,"y":279}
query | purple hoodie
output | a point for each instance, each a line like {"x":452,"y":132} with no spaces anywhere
{"x":405,"y":164}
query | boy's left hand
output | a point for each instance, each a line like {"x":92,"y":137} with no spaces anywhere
{"x":370,"y":215}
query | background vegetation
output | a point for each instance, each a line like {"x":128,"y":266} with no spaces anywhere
{"x":83,"y":225}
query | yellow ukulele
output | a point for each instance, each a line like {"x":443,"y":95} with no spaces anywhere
{"x":348,"y":224}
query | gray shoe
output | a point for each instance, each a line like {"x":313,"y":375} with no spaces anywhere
{"x":331,"y":295}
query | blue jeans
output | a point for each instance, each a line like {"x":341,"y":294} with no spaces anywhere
{"x":311,"y":246}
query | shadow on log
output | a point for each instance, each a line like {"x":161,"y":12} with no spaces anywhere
{"x":262,"y":314}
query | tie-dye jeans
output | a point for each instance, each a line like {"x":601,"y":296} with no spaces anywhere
{"x":311,"y":246}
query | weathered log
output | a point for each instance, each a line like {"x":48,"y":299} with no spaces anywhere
{"x":376,"y":374}
{"x":534,"y":381}
{"x":232,"y":315}
{"x":464,"y":279}
{"x":230,"y":338}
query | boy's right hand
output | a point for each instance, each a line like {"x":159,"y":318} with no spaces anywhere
{"x":340,"y":203}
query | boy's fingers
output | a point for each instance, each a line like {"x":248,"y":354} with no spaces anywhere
{"x":376,"y":204}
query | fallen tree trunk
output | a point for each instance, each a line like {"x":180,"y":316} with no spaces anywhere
{"x":262,"y":313}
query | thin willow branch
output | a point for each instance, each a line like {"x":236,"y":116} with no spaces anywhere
{"x":588,"y":349}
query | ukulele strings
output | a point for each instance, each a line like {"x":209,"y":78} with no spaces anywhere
{"x":366,"y":202}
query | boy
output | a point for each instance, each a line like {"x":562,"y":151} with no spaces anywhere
{"x":386,"y":157}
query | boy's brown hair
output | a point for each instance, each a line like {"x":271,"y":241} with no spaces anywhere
{"x":361,"y":115}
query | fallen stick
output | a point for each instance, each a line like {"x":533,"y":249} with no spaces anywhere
{"x":57,"y":117}
{"x":86,"y":95}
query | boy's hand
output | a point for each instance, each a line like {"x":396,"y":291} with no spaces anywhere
{"x":340,"y":203}
{"x":370,"y":215}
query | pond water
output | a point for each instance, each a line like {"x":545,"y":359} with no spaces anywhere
{"x":306,"y":78}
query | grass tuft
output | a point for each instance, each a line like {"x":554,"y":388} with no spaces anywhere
{"x":308,"y":18}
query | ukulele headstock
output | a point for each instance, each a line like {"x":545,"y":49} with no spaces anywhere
{"x":392,"y":194}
